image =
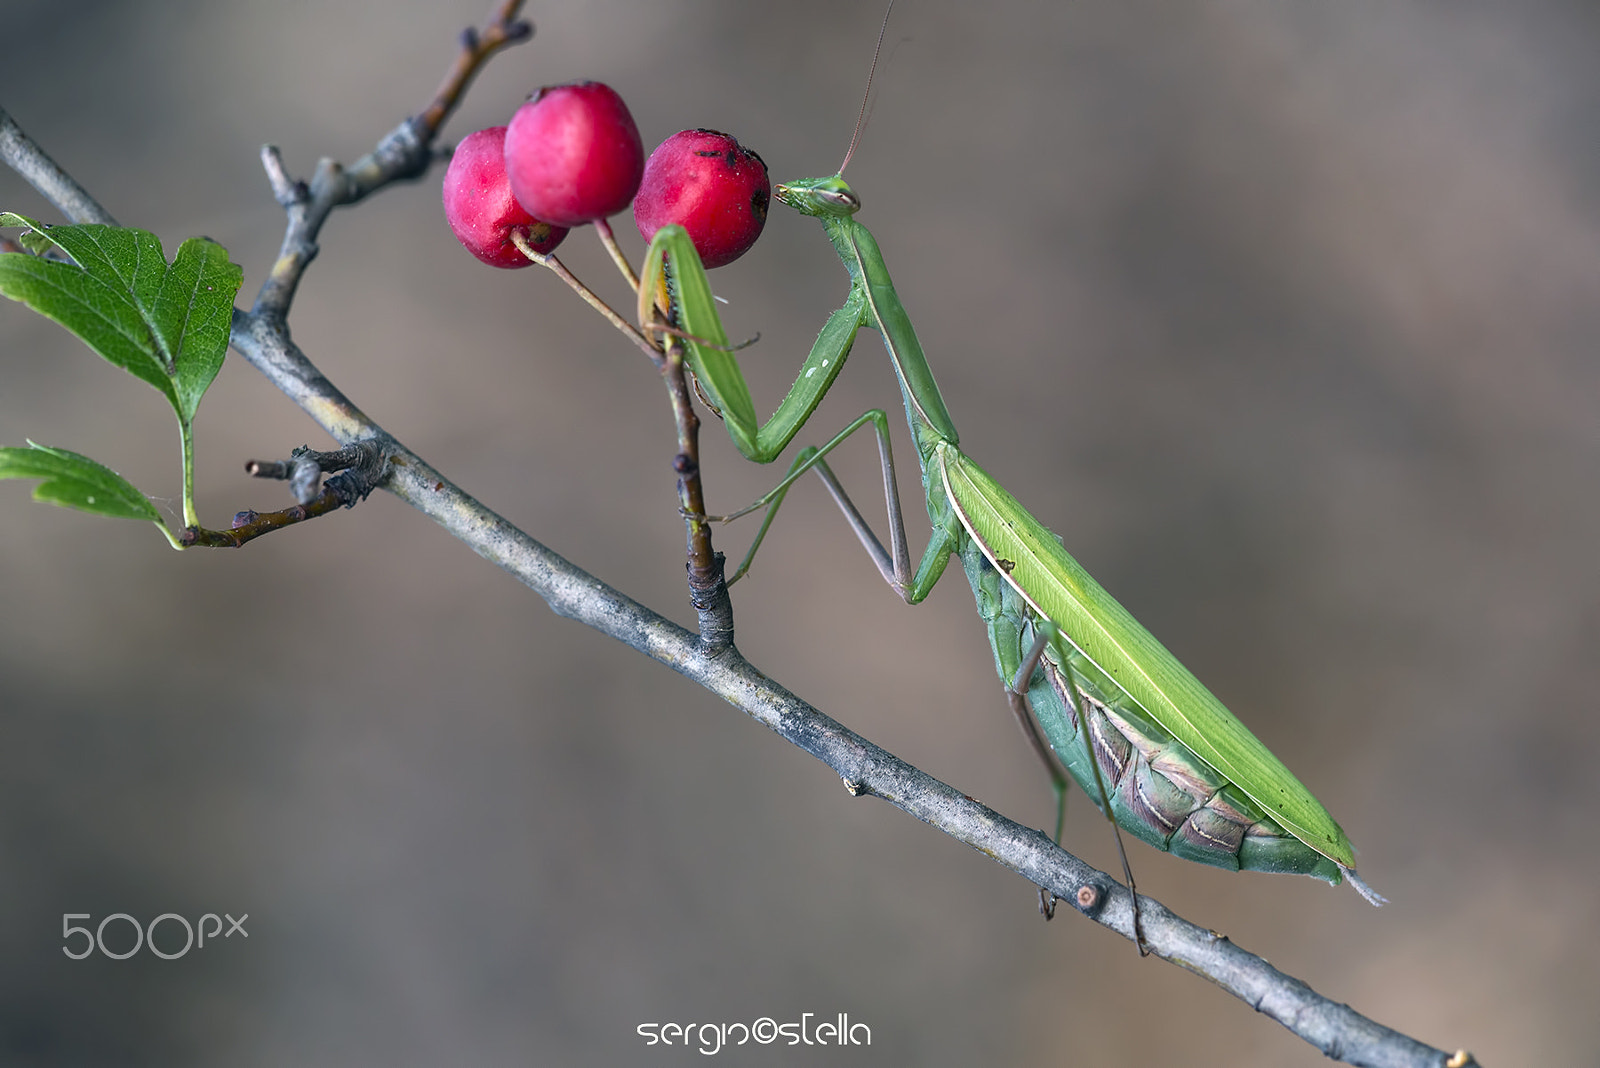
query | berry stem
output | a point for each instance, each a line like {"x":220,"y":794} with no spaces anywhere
{"x":609,"y":240}
{"x":520,"y":239}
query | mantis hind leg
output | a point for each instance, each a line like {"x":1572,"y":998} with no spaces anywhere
{"x":1017,"y":694}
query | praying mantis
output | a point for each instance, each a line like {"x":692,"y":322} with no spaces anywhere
{"x":1157,"y":752}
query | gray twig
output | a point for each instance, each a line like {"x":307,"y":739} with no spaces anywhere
{"x":25,"y":157}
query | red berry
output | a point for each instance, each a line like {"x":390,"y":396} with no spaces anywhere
{"x":573,"y":153}
{"x":712,"y":186}
{"x":479,"y":206}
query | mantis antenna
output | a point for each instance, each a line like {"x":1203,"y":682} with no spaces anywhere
{"x":861,"y":119}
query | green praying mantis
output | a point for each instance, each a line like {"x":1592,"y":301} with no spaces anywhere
{"x":1160,"y":755}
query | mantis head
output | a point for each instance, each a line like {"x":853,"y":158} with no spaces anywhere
{"x":824,"y":197}
{"x":832,"y":198}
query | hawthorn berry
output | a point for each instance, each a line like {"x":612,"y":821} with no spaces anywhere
{"x":479,"y":206}
{"x":712,"y":186}
{"x":573,"y":153}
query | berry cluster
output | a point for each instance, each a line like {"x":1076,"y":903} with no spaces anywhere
{"x":572,"y":155}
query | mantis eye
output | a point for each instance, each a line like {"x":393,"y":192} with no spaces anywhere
{"x":842,"y":198}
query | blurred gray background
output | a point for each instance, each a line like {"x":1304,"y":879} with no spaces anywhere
{"x":1282,"y":314}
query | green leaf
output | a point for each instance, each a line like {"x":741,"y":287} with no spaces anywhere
{"x":75,"y":481}
{"x":167,"y":325}
{"x":94,"y":304}
{"x":194,"y":315}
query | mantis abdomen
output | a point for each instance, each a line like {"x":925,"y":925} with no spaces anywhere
{"x":1158,"y":788}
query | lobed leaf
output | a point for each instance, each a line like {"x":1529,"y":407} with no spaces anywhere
{"x":165,"y":324}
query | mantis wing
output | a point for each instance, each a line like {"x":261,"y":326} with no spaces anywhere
{"x":1060,"y":590}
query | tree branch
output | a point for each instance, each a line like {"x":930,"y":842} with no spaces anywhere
{"x":404,"y":152}
{"x":262,"y":337}
{"x":44,"y":174}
